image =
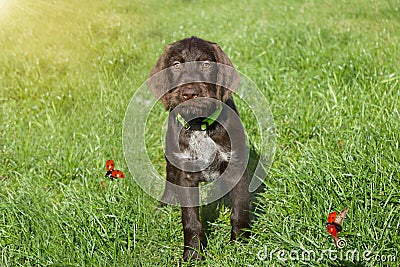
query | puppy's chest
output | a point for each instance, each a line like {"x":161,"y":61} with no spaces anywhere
{"x":210,"y":156}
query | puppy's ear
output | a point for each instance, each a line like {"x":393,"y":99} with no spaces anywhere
{"x":228,"y":78}
{"x":157,"y":80}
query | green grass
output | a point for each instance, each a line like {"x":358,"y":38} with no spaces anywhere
{"x":329,"y":69}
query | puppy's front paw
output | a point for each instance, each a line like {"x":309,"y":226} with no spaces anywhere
{"x":241,"y":235}
{"x":191,"y":255}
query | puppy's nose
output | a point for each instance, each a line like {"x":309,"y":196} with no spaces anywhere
{"x":190,"y":92}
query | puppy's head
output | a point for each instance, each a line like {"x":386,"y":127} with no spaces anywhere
{"x":191,"y":71}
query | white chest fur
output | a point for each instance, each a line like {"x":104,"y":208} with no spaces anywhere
{"x":204,"y":155}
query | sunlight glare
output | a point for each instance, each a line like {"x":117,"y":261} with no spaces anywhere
{"x":3,"y":5}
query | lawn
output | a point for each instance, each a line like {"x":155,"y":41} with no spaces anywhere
{"x":330,"y":71}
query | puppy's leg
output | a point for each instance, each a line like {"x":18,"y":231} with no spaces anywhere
{"x":169,"y":196}
{"x":240,"y":217}
{"x":194,"y":237}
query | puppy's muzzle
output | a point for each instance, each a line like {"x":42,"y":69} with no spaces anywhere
{"x":190,"y":91}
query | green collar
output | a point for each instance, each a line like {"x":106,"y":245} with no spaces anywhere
{"x":200,"y":124}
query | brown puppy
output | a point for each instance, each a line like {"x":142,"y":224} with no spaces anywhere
{"x":205,"y":140}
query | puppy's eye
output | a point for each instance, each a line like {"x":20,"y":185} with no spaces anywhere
{"x":206,"y":65}
{"x":176,"y":64}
